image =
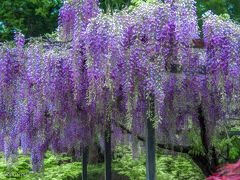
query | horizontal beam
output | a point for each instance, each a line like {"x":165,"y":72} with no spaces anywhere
{"x":198,"y":43}
{"x":178,"y":69}
{"x":234,"y":133}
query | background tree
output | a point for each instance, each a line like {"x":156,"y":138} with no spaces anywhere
{"x":32,"y":17}
{"x":218,"y":7}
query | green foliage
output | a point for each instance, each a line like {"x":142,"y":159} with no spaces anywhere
{"x":110,"y":6}
{"x":225,"y":8}
{"x":219,"y":7}
{"x":229,"y":148}
{"x":55,"y":167}
{"x":195,"y":139}
{"x":168,"y":167}
{"x":225,"y":16}
{"x":32,"y":17}
{"x":125,"y":165}
{"x":180,"y":167}
{"x":62,"y":167}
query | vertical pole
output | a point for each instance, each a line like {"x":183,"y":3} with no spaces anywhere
{"x":150,"y":142}
{"x":134,"y":147}
{"x":107,"y":155}
{"x":84,"y":162}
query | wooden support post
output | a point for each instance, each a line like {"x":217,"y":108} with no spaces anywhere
{"x":107,"y":154}
{"x":150,"y":142}
{"x":84,"y":162}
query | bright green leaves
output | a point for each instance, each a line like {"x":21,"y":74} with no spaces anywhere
{"x":167,"y":166}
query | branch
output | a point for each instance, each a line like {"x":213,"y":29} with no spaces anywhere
{"x":57,"y":42}
{"x":176,"y":148}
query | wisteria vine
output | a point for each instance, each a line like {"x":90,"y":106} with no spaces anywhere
{"x":61,"y":97}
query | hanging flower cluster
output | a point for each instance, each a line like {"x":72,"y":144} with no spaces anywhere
{"x":223,"y":61}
